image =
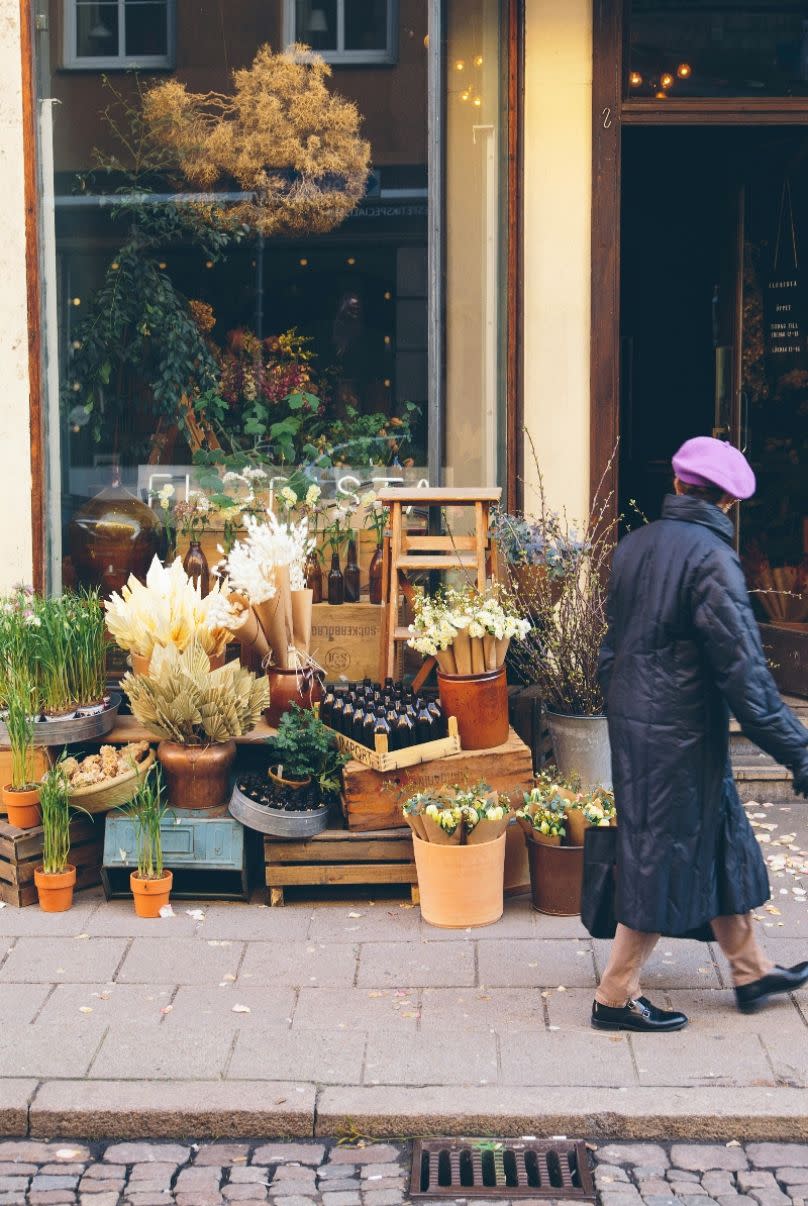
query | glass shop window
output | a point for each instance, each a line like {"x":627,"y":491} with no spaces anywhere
{"x":118,"y":33}
{"x":345,"y":31}
{"x":706,"y":48}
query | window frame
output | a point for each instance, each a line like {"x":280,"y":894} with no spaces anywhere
{"x":73,"y":61}
{"x":388,"y":57}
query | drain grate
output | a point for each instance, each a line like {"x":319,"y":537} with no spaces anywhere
{"x":507,"y":1168}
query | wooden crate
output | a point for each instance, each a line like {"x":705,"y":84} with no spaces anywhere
{"x":346,"y":640}
{"x":21,"y":852}
{"x":529,"y":719}
{"x":373,"y":799}
{"x":381,"y":759}
{"x":337,"y":858}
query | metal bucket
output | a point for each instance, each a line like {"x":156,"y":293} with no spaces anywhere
{"x":556,"y":876}
{"x":581,"y":746}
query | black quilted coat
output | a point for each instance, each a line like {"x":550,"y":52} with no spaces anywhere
{"x":683,"y":650}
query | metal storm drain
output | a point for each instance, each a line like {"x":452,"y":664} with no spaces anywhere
{"x":507,"y":1168}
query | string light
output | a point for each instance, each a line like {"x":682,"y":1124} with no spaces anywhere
{"x":460,"y":65}
{"x":351,"y":260}
{"x":465,"y":94}
{"x":661,"y":96}
{"x":635,"y":79}
{"x":76,"y":301}
{"x":478,"y":60}
{"x":387,"y":295}
{"x":114,"y":265}
{"x":304,"y":263}
{"x":387,"y":340}
{"x":684,"y":71}
{"x":477,"y":102}
{"x":208,"y":263}
{"x":666,"y":80}
{"x":387,"y":383}
{"x":162,"y":265}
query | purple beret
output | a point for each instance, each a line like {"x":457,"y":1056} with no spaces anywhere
{"x":704,"y":461}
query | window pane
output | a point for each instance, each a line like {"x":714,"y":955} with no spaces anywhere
{"x":146,"y":27}
{"x":96,"y":30}
{"x":365,"y":24}
{"x":704,"y":48}
{"x":316,"y":23}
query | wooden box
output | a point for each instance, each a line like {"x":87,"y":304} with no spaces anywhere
{"x":382,"y":759}
{"x":346,"y":640}
{"x":373,"y":799}
{"x":337,"y":858}
{"x":21,"y":852}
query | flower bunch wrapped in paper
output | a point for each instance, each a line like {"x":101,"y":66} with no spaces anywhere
{"x":468,"y":631}
{"x":168,"y":610}
{"x":267,"y":577}
{"x":556,"y":805}
{"x":458,"y":816}
{"x":543,"y":816}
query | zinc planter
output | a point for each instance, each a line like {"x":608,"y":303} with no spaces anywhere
{"x":480,"y":704}
{"x":55,"y":891}
{"x":460,"y":886}
{"x":581,"y":746}
{"x":556,"y":876}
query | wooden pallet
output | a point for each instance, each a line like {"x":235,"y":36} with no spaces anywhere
{"x":21,"y":852}
{"x":336,"y":858}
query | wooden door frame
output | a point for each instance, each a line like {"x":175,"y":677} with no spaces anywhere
{"x":610,"y":113}
{"x":514,"y":283}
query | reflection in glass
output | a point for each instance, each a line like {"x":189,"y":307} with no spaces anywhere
{"x":316,"y":23}
{"x":365,"y":24}
{"x":146,"y":28}
{"x":96,"y":30}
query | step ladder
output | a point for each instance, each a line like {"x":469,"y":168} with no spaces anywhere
{"x":404,"y":554}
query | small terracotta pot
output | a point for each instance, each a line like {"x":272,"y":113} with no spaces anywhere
{"x":556,"y":877}
{"x":480,"y":704}
{"x":22,"y":807}
{"x":460,"y":886}
{"x":150,"y":895}
{"x":288,"y":784}
{"x":197,"y":776}
{"x":303,"y":687}
{"x":55,"y":891}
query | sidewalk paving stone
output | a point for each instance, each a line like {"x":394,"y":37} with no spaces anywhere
{"x":107,"y":1003}
{"x":365,"y":923}
{"x":434,"y":1058}
{"x":33,"y":1050}
{"x":327,"y":1056}
{"x":299,"y":964}
{"x":357,"y":1008}
{"x":691,"y":1057}
{"x":190,"y":960}
{"x":419,"y":964}
{"x":22,"y":1001}
{"x":200,"y":1006}
{"x":487,"y":1009}
{"x":62,"y":960}
{"x":252,"y":922}
{"x":535,"y":962}
{"x":551,"y":1059}
{"x":172,"y":1053}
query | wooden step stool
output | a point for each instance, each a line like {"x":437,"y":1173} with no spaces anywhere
{"x":404,"y":553}
{"x":337,"y":858}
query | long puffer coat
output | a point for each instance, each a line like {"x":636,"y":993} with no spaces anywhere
{"x":683,"y":649}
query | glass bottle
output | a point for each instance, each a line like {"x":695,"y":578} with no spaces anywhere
{"x":348,"y":716}
{"x":381,"y":727}
{"x":368,"y":725}
{"x":436,"y":712}
{"x":327,"y":706}
{"x":358,"y":720}
{"x":405,"y":730}
{"x":351,"y":574}
{"x":391,"y":717}
{"x":425,"y":723}
{"x":313,"y":573}
{"x":336,"y":582}
{"x":336,"y":711}
{"x":375,"y":576}
{"x":195,"y":564}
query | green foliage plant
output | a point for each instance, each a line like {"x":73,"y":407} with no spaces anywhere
{"x":305,"y":748}
{"x":20,"y":700}
{"x":146,"y":811}
{"x":55,"y":809}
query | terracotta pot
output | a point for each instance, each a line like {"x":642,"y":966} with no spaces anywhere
{"x":197,"y":776}
{"x":556,"y":877}
{"x":22,"y":807}
{"x":303,"y":687}
{"x":150,"y":895}
{"x":480,"y":704}
{"x":55,"y":891}
{"x":460,"y":886}
{"x":288,"y":784}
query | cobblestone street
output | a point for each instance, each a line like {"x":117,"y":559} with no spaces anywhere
{"x":376,"y":1174}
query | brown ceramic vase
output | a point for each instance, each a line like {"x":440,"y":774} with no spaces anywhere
{"x":303,"y":687}
{"x":480,"y":704}
{"x":197,"y":776}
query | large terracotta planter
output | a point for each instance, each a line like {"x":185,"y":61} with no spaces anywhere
{"x":480,"y":704}
{"x":55,"y":891}
{"x":150,"y":895}
{"x":581,"y":746}
{"x":556,"y":877}
{"x":303,"y":687}
{"x":460,"y":886}
{"x":197,"y":776}
{"x":22,"y":807}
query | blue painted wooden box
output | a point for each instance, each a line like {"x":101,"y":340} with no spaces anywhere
{"x":207,"y":855}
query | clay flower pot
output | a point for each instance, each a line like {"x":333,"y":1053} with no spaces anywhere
{"x":303,"y":687}
{"x":22,"y":807}
{"x":150,"y":895}
{"x":55,"y":891}
{"x":480,"y":704}
{"x":288,"y":784}
{"x":197,"y":776}
{"x":460,"y":886}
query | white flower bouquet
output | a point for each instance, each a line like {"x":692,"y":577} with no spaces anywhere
{"x":467,"y":631}
{"x":457,"y":816}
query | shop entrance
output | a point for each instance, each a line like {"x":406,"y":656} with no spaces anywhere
{"x":714,"y":330}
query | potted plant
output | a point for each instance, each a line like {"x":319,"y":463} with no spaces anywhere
{"x":459,"y":844}
{"x":151,"y":883}
{"x":21,"y":795}
{"x":55,"y":879}
{"x":537,"y":553}
{"x":302,"y":781}
{"x":469,"y":633}
{"x":196,"y":712}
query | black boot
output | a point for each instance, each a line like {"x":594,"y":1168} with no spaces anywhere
{"x":638,"y":1015}
{"x":780,"y":979}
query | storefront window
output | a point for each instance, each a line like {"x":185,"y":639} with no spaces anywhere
{"x":704,"y":48}
{"x":237,"y":254}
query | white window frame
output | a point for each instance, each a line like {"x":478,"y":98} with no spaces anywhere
{"x":121,"y":61}
{"x":342,"y":57}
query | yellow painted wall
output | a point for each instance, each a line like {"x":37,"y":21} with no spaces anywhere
{"x":558,"y":191}
{"x":15,"y":458}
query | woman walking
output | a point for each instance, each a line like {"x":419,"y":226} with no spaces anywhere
{"x":682,"y":651}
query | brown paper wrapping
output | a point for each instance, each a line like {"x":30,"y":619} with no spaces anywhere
{"x":477,"y":656}
{"x":490,"y":651}
{"x":301,"y":620}
{"x":272,"y":617}
{"x":446,"y":661}
{"x":502,"y":649}
{"x":461,"y":647}
{"x":251,"y":635}
{"x":416,"y":824}
{"x":487,"y":831}
{"x":434,"y":833}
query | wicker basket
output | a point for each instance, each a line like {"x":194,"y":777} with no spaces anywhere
{"x":101,"y":797}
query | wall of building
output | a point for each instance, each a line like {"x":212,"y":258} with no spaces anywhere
{"x":558,"y":192}
{"x":15,"y":460}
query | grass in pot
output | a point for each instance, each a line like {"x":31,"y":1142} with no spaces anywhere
{"x":21,"y":795}
{"x":55,"y":879}
{"x":196,"y":712}
{"x":151,"y":882}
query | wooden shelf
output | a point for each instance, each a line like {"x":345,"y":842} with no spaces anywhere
{"x":127,"y":729}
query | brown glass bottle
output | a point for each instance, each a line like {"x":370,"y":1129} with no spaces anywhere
{"x":375,"y":576}
{"x":336,"y":582}
{"x":351,"y":574}
{"x":314,"y":577}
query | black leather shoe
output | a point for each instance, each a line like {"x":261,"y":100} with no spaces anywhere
{"x":780,"y":979}
{"x":637,"y":1015}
